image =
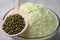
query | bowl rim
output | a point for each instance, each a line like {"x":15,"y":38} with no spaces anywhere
{"x":53,"y":12}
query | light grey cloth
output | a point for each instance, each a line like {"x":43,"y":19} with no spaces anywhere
{"x":6,"y":5}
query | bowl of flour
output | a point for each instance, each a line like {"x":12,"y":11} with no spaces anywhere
{"x":43,"y":23}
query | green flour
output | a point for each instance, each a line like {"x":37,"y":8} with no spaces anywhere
{"x":42,"y":22}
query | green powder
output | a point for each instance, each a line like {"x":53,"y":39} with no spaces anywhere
{"x":42,"y":22}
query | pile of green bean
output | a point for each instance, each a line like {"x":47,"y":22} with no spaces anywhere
{"x":14,"y":24}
